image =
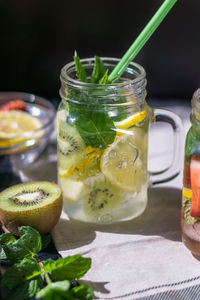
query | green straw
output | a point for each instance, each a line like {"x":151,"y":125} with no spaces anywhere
{"x":141,"y":39}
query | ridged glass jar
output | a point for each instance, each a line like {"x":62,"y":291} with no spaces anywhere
{"x":102,"y":132}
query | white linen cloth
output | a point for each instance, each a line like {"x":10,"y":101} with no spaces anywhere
{"x":140,"y":259}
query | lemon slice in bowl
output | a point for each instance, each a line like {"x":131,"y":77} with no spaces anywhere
{"x":131,"y":120}
{"x":120,"y":163}
{"x":14,"y":123}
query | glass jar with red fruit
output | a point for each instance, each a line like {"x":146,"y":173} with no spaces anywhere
{"x":190,"y":219}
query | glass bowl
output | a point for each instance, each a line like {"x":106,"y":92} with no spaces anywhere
{"x":25,"y":148}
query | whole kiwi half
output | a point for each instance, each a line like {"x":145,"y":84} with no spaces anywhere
{"x":37,"y":204}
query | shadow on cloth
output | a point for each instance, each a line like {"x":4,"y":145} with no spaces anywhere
{"x":161,"y":218}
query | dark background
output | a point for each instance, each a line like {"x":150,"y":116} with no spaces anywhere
{"x":37,"y":37}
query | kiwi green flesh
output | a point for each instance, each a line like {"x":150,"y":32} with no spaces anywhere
{"x":68,"y":145}
{"x":69,"y":140}
{"x":28,"y":196}
{"x":71,"y":146}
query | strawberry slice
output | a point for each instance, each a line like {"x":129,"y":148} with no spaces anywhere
{"x":186,"y":176}
{"x":195,"y":185}
{"x":14,"y":105}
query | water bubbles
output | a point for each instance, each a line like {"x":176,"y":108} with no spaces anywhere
{"x":106,"y":218}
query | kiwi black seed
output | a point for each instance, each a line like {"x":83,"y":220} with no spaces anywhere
{"x":16,"y":198}
{"x":102,"y":198}
{"x":37,"y":204}
{"x":73,"y":145}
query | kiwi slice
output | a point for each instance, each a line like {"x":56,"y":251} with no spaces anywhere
{"x":102,"y":197}
{"x":71,"y":146}
{"x":37,"y":204}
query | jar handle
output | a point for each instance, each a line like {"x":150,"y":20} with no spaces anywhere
{"x":173,"y":170}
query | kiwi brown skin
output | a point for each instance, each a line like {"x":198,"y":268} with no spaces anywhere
{"x":41,"y":218}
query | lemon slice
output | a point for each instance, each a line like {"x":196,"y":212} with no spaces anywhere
{"x":132,"y":120}
{"x":120,"y":163}
{"x":14,"y":123}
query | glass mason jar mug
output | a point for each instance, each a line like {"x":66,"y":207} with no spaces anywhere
{"x":190,"y":217}
{"x":102,"y":135}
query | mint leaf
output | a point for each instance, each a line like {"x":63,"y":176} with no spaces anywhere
{"x":20,"y":272}
{"x":34,"y":286}
{"x":104,"y":78}
{"x":118,"y":111}
{"x":30,"y":238}
{"x":98,"y":70}
{"x":25,"y":291}
{"x":96,"y":129}
{"x":80,"y":72}
{"x":5,"y":238}
{"x":15,"y":252}
{"x":28,"y":244}
{"x":82,"y":292}
{"x":54,"y":290}
{"x":71,"y":267}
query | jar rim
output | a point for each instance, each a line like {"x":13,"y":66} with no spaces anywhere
{"x":132,"y":66}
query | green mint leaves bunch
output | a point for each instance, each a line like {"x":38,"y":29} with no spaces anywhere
{"x":30,"y":277}
{"x":99,"y":73}
{"x":89,"y":114}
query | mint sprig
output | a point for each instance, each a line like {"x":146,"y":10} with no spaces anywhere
{"x":31,"y":277}
{"x":71,"y":267}
{"x":26,"y":246}
{"x":93,"y":118}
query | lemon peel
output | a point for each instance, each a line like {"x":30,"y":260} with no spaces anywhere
{"x":187,"y":193}
{"x":130,"y":121}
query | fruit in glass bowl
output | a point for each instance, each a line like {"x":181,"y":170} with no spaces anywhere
{"x":26,"y":124}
